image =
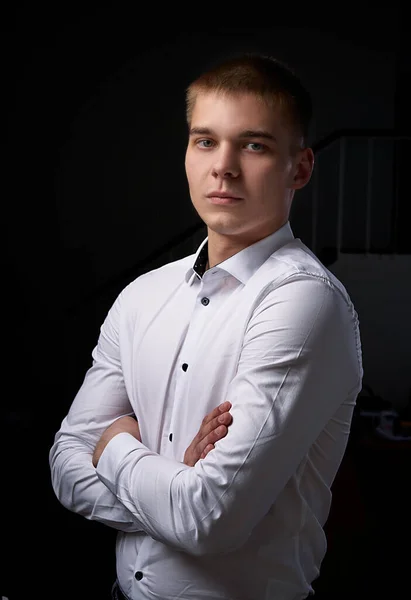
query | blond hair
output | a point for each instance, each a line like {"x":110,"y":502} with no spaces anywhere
{"x":264,"y":76}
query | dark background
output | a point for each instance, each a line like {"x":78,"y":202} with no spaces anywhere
{"x":94,"y":183}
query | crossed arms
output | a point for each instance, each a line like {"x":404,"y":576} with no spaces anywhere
{"x":293,"y":375}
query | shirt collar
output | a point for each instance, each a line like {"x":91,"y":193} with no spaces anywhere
{"x":245,"y":263}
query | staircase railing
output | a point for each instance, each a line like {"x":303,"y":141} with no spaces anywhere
{"x":356,"y":198}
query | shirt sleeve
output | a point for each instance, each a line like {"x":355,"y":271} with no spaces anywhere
{"x":299,"y":363}
{"x":101,"y":399}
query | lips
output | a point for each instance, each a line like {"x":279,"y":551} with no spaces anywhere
{"x":223,"y":198}
{"x":216,"y":194}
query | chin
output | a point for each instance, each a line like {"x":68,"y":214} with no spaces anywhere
{"x":223,"y":227}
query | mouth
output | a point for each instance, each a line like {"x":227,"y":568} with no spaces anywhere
{"x":222,"y":198}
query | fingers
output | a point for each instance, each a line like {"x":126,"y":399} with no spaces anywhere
{"x":206,"y":450}
{"x":214,"y":431}
{"x":219,"y":424}
{"x":216,"y":412}
{"x":213,"y":428}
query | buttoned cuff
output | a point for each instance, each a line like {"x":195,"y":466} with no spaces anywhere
{"x":116,"y":451}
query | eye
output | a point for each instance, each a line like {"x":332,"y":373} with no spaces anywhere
{"x":204,"y":143}
{"x":256,"y":147}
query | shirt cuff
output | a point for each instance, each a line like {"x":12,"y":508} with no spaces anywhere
{"x":117,"y":449}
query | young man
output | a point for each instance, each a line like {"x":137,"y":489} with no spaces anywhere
{"x":254,"y":320}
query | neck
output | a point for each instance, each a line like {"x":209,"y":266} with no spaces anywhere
{"x":222,"y":247}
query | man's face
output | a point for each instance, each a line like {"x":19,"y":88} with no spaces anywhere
{"x":240,"y":146}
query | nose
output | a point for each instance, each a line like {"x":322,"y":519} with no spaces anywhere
{"x":226,"y":163}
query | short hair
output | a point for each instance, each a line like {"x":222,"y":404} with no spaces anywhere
{"x":262,"y":75}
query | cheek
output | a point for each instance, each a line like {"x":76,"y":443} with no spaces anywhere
{"x":194,"y":184}
{"x":187,"y":167}
{"x":265,"y":178}
{"x":276,"y":176}
{"x":267,"y":186}
{"x":191,"y":167}
{"x":196,"y":174}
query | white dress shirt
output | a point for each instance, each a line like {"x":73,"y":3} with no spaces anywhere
{"x":274,"y":332}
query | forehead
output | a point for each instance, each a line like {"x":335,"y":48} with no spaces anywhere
{"x":236,"y":112}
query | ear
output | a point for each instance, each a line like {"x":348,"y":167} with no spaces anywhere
{"x":303,"y":168}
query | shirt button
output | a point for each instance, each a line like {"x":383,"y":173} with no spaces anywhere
{"x":205,"y":301}
{"x":170,"y":437}
{"x":138,"y":575}
{"x":184,"y":366}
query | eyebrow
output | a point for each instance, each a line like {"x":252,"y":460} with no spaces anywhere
{"x":246,"y":134}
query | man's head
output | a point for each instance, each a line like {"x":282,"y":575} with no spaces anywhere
{"x":248,"y":121}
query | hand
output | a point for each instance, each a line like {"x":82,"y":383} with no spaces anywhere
{"x":123,"y":424}
{"x":213,"y":428}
